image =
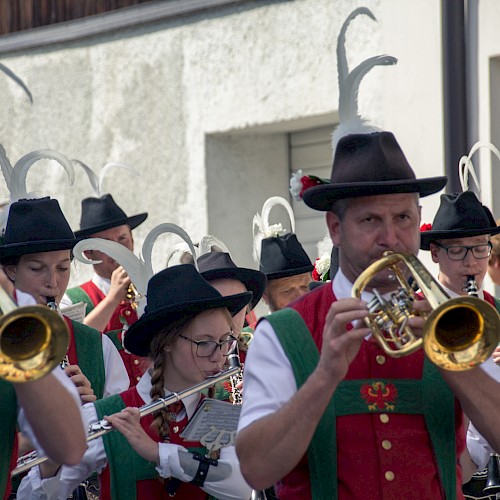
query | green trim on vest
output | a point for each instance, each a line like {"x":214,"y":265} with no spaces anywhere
{"x":88,"y":344}
{"x":429,"y":396}
{"x":113,"y":336}
{"x":126,"y":467}
{"x":8,"y":411}
{"x":304,"y":356}
{"x":497,"y":303}
{"x":77,"y":294}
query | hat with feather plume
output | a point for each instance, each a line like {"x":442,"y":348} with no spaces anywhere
{"x":15,"y":176}
{"x":216,"y":263}
{"x":461,"y":215}
{"x":278,"y":252}
{"x":102,"y":212}
{"x":367,"y":161}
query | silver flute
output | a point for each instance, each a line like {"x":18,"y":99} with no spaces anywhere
{"x":102,"y":427}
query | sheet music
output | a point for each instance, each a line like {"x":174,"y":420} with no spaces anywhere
{"x":214,"y":424}
{"x":76,"y":312}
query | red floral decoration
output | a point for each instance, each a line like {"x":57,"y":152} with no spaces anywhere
{"x":315,"y":275}
{"x":425,"y":227}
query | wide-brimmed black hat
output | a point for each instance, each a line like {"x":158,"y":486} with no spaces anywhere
{"x":219,"y":265}
{"x":283,"y":256}
{"x":459,"y":215}
{"x":174,"y":293}
{"x":36,"y":226}
{"x":99,"y":214}
{"x":367,"y":165}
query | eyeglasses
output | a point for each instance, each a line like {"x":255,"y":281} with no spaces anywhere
{"x":207,"y":348}
{"x":459,"y":252}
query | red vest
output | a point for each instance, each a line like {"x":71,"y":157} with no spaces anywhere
{"x":379,"y":456}
{"x":155,"y":488}
{"x":135,"y":365}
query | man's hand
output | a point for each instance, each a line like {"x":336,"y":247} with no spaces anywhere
{"x":82,"y":383}
{"x":120,"y":282}
{"x":340,"y":345}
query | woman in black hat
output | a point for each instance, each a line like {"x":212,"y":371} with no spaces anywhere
{"x":36,"y":256}
{"x":187,"y":331}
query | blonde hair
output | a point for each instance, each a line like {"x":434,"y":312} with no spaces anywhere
{"x":159,"y":346}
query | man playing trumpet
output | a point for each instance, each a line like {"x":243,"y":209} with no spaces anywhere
{"x":319,"y":415}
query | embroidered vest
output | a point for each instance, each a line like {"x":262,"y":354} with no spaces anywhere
{"x":128,"y":476}
{"x":123,"y":316}
{"x":373,"y":420}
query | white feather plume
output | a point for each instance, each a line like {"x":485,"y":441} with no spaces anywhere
{"x":350,"y":119}
{"x":135,"y":267}
{"x":262,"y":229}
{"x":147,"y":247}
{"x":140,"y":269}
{"x":208,"y":242}
{"x":466,"y":168}
{"x":97,"y":181}
{"x":15,"y":176}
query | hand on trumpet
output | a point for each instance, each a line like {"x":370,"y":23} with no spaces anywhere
{"x":82,"y":383}
{"x":341,"y":344}
{"x":120,"y":282}
{"x":128,"y":423}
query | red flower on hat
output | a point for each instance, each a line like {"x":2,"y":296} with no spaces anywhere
{"x":299,"y":183}
{"x":425,"y":227}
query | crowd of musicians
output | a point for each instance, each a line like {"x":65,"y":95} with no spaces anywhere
{"x":328,"y":409}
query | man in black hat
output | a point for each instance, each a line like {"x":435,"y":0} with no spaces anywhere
{"x":287,"y":268}
{"x":459,"y":240}
{"x":108,"y":294}
{"x":401,"y":439}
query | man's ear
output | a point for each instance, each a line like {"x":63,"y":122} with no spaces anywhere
{"x":265,"y":298}
{"x":10,"y":271}
{"x":334,"y":227}
{"x":434,"y":253}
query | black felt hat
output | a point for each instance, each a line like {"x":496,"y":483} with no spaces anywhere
{"x":36,"y":226}
{"x":283,"y":256}
{"x":219,"y":265}
{"x":174,"y":293}
{"x":459,"y":215}
{"x":99,"y":214}
{"x":367,"y":165}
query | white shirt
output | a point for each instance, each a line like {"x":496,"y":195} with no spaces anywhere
{"x":60,"y":487}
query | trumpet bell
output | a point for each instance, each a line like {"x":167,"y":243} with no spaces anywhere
{"x":458,"y":334}
{"x":461,"y":333}
{"x":33,"y":341}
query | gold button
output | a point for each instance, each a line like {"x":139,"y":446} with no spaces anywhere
{"x":384,"y":418}
{"x":136,"y":361}
{"x":380,"y":359}
{"x":389,"y":475}
{"x":176,"y":430}
{"x":138,"y":378}
{"x":386,"y":444}
{"x":127,"y":312}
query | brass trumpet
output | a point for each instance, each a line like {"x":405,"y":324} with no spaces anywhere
{"x":458,"y":334}
{"x":33,"y":340}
